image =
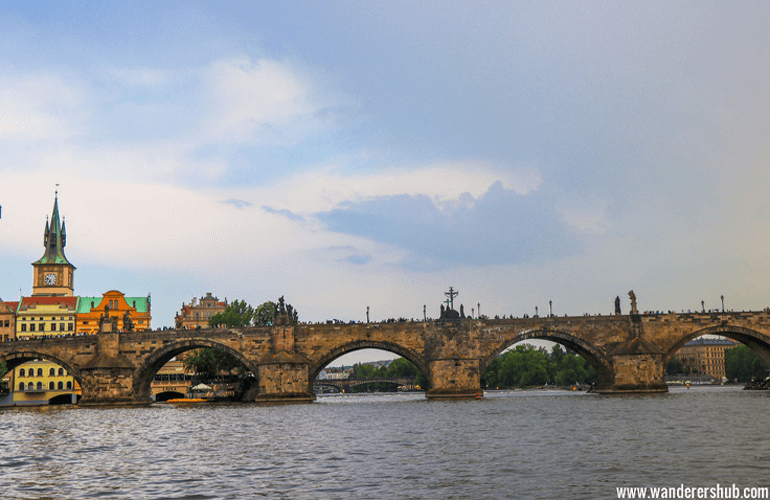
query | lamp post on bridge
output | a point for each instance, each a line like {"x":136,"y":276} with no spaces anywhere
{"x":550,"y":309}
{"x":424,"y":314}
{"x":723,"y":303}
{"x":478,"y":310}
{"x":367,"y":314}
{"x":703,"y":306}
{"x":536,"y":315}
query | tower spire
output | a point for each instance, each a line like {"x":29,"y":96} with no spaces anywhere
{"x":55,"y":238}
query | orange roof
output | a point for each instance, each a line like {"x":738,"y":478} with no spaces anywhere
{"x":13,"y":305}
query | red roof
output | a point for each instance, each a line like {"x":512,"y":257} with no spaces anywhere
{"x":70,"y":302}
{"x":13,"y":305}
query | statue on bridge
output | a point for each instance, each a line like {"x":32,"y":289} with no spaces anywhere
{"x":617,"y":305}
{"x":128,"y":325}
{"x":285,"y":314}
{"x":632,"y":296}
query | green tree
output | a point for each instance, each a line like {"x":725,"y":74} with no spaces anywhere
{"x":744,"y":364}
{"x":264,"y":314}
{"x":674,"y":366}
{"x":3,"y":368}
{"x":401,"y":367}
{"x":362,"y":371}
{"x":208,"y":363}
{"x":238,"y":313}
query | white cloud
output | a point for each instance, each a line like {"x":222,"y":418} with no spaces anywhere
{"x":139,"y":77}
{"x":325,"y":188}
{"x":265,"y":101}
{"x":37,"y":108}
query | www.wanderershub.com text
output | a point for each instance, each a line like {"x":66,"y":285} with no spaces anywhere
{"x":682,"y":491}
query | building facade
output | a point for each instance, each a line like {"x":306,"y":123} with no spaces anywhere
{"x":41,"y":382}
{"x":40,"y":316}
{"x":196,"y":314}
{"x":706,"y":356}
{"x":8,"y":320}
{"x":113,"y":304}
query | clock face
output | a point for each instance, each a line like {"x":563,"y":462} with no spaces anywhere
{"x":50,"y":279}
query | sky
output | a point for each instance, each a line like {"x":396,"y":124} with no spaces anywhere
{"x":349,"y":155}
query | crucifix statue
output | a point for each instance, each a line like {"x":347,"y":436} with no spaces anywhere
{"x":451,"y":294}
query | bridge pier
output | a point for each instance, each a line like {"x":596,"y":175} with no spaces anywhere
{"x":105,"y":386}
{"x":454,"y":378}
{"x":108,"y":378}
{"x":284,"y":378}
{"x":636,"y":373}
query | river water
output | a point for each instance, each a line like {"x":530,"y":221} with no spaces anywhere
{"x":534,"y":444}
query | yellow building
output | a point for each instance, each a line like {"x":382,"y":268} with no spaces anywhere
{"x":39,"y":316}
{"x":171,"y":382}
{"x":196,"y":314}
{"x":43,"y":382}
{"x":706,"y":355}
{"x":113,"y":304}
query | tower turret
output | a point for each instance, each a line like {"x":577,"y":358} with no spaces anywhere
{"x":53,"y":273}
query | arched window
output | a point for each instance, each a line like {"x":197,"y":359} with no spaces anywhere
{"x":21,"y":373}
{"x":51,"y":385}
{"x":39,"y":386}
{"x":39,"y":372}
{"x":69,"y":385}
{"x":60,"y":386}
{"x":52,"y":372}
{"x":61,"y":372}
{"x":21,"y":386}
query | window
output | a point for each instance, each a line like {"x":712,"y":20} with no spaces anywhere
{"x":53,"y":327}
{"x":69,"y":385}
{"x":61,"y":327}
{"x":39,"y":386}
{"x":21,"y":386}
{"x":21,"y":373}
{"x":7,"y":323}
{"x":51,"y":385}
{"x":39,"y":372}
{"x":60,"y":386}
{"x":42,"y":326}
{"x":61,"y":372}
{"x":23,"y":327}
{"x":52,"y":372}
{"x":31,"y":327}
{"x":70,"y":327}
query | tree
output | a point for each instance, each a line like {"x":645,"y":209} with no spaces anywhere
{"x":674,"y":366}
{"x":208,"y":363}
{"x":744,"y":364}
{"x":264,"y":314}
{"x":3,"y":368}
{"x":238,"y":313}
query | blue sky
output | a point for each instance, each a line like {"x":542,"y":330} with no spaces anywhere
{"x":348,"y":154}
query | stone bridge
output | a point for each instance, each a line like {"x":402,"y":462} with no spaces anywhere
{"x":345,"y":383}
{"x":628,"y":351}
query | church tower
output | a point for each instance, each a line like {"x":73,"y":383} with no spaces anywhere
{"x":52,"y":275}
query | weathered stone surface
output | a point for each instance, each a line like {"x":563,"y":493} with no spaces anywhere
{"x":628,"y":351}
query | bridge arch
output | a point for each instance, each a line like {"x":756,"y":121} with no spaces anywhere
{"x":756,"y":341}
{"x":416,"y":359}
{"x":594,"y":356}
{"x":16,"y":358}
{"x":146,"y":371}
